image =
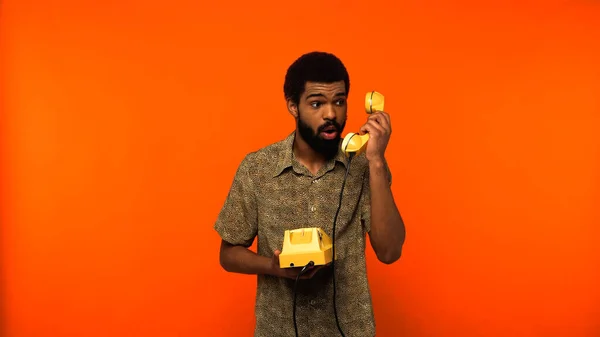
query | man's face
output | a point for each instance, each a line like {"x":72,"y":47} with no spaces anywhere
{"x":322,"y":116}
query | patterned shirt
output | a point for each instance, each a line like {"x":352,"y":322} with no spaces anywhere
{"x":272,"y":192}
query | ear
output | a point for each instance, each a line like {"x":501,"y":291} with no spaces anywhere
{"x":292,"y":108}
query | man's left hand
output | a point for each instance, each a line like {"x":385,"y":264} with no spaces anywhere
{"x":379,"y":128}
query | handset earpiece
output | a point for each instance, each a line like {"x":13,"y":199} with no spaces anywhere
{"x":353,"y":143}
{"x":374,"y":102}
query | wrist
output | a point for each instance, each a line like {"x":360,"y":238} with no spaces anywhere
{"x":377,"y":162}
{"x":274,"y":269}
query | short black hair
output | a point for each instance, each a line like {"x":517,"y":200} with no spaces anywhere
{"x":315,"y":66}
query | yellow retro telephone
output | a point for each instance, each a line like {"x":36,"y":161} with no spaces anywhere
{"x":305,"y":245}
{"x":312,"y":246}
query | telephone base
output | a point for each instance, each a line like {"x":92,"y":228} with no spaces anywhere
{"x":303,"y":245}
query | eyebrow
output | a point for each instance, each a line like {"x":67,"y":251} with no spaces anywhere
{"x":341,"y":93}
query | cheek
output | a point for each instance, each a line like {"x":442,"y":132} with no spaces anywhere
{"x":309,"y":116}
{"x":341,"y":112}
{"x":308,"y":120}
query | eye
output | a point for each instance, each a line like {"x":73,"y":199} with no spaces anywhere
{"x":341,"y":102}
{"x":315,"y":104}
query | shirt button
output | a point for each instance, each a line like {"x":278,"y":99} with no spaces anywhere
{"x":312,"y":208}
{"x":313,"y":302}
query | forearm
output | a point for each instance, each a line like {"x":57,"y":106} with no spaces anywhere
{"x":387,"y":227}
{"x":238,"y":259}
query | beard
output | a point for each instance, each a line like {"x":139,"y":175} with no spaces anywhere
{"x":327,"y":147}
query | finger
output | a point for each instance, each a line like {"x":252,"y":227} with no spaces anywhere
{"x":388,"y":121}
{"x":368,"y":127}
{"x":313,"y":271}
{"x":291,"y":273}
{"x":383,"y":114}
{"x":381,"y":119}
{"x":387,"y":117}
{"x":276,"y":256}
{"x":309,"y":274}
{"x":373,"y":128}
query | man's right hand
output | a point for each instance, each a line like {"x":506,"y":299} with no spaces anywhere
{"x":293,"y":272}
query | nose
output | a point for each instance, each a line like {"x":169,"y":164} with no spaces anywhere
{"x":329,"y":112}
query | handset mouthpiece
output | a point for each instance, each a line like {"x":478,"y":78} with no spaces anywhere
{"x":354,"y":143}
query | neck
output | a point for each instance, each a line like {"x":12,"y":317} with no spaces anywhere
{"x":306,"y":155}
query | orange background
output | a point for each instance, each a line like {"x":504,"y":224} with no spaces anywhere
{"x":123,"y":124}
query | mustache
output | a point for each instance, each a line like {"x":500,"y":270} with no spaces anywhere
{"x":335,"y":124}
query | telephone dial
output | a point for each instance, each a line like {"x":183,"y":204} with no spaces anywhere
{"x":313,"y":246}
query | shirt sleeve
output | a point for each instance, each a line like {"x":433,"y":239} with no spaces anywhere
{"x":237,"y":221}
{"x":366,"y":197}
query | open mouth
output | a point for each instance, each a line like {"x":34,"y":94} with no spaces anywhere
{"x":329,"y":132}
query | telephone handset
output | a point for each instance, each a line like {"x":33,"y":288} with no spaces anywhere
{"x":354,"y":142}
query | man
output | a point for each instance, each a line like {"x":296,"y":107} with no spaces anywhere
{"x":296,"y":183}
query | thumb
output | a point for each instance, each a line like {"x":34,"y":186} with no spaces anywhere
{"x":364,"y":129}
{"x":275,"y":258}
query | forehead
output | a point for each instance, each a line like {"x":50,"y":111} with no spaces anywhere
{"x":325,"y":89}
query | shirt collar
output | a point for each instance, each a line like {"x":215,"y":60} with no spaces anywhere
{"x":286,"y":155}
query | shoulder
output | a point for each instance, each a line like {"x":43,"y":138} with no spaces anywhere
{"x":264,"y":159}
{"x":266,"y":153}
